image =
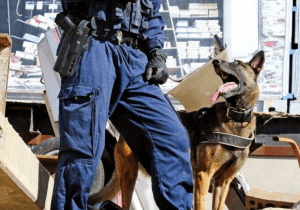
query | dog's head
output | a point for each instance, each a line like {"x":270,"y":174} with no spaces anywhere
{"x":239,"y":80}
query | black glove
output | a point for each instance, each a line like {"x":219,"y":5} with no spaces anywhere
{"x":156,"y":69}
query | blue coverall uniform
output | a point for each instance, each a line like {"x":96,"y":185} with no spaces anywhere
{"x":108,"y":84}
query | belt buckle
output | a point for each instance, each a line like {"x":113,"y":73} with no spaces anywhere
{"x":227,"y":112}
{"x":119,"y":36}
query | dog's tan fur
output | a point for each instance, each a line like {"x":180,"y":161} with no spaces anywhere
{"x":210,"y":161}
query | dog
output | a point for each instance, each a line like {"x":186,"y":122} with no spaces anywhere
{"x":220,"y":138}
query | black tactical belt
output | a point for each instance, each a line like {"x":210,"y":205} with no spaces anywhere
{"x":103,"y":31}
{"x":228,"y":139}
{"x":117,"y":37}
{"x":131,"y":41}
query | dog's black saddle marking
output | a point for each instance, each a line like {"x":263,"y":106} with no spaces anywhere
{"x":228,"y":139}
{"x":239,"y":115}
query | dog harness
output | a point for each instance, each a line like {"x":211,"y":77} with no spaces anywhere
{"x":228,"y":139}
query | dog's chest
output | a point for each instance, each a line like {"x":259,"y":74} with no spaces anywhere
{"x":214,"y":126}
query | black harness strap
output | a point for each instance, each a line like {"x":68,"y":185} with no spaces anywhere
{"x":228,"y":139}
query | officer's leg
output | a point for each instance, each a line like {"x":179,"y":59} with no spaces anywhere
{"x":84,"y":104}
{"x":155,"y":134}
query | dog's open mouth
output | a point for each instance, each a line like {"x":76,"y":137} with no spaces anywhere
{"x":230,"y":83}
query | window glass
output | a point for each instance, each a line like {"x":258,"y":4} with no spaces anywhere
{"x":27,"y":22}
{"x":189,"y":35}
{"x":272,"y":39}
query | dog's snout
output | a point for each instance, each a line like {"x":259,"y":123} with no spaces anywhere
{"x":216,"y":61}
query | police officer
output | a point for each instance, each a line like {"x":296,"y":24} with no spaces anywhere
{"x":117,"y":77}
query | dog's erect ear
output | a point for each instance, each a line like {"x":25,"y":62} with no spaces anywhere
{"x":257,"y":62}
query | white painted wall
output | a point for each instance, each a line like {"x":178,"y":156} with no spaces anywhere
{"x":241,"y":27}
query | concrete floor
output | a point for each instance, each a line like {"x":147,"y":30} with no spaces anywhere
{"x":280,"y":174}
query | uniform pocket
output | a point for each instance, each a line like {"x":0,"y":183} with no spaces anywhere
{"x":78,"y":109}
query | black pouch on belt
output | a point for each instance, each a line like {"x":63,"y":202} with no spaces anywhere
{"x":75,"y":42}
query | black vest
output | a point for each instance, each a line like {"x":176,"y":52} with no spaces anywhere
{"x":131,"y":15}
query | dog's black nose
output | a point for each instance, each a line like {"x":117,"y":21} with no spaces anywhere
{"x":216,"y":61}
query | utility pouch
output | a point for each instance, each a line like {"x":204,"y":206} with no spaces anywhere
{"x":75,"y":42}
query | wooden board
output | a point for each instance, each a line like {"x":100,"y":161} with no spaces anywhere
{"x":24,"y":182}
{"x":5,"y":50}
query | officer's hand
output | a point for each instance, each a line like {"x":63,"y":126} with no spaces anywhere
{"x":156,"y":69}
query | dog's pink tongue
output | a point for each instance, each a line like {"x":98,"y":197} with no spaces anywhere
{"x":222,"y":89}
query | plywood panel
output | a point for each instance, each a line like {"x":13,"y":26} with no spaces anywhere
{"x":5,"y":50}
{"x":24,"y":182}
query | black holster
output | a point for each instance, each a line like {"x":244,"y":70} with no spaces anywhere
{"x":75,"y":42}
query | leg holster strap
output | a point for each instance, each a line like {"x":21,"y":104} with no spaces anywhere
{"x":75,"y":42}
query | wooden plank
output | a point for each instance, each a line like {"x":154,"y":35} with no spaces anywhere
{"x":278,"y":151}
{"x":5,"y":50}
{"x":24,"y":182}
{"x":49,"y":162}
{"x":47,"y":158}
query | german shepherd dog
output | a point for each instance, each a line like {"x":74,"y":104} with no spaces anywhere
{"x":212,"y":160}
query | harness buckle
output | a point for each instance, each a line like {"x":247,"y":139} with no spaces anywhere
{"x":227,"y":112}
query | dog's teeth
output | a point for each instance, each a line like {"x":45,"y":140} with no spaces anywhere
{"x":223,"y":75}
{"x":235,"y":86}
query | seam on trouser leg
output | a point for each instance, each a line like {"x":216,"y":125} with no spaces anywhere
{"x":180,"y":120}
{"x":54,"y":204}
{"x":154,"y":148}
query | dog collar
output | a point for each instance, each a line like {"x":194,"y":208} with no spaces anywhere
{"x":228,"y":139}
{"x":239,"y":115}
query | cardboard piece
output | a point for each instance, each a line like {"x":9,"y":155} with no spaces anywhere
{"x":195,"y":90}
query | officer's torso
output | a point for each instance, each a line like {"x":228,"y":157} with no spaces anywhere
{"x":128,"y":15}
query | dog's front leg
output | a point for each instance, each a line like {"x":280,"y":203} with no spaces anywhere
{"x":220,"y":191}
{"x":202,"y":181}
{"x":127,"y":169}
